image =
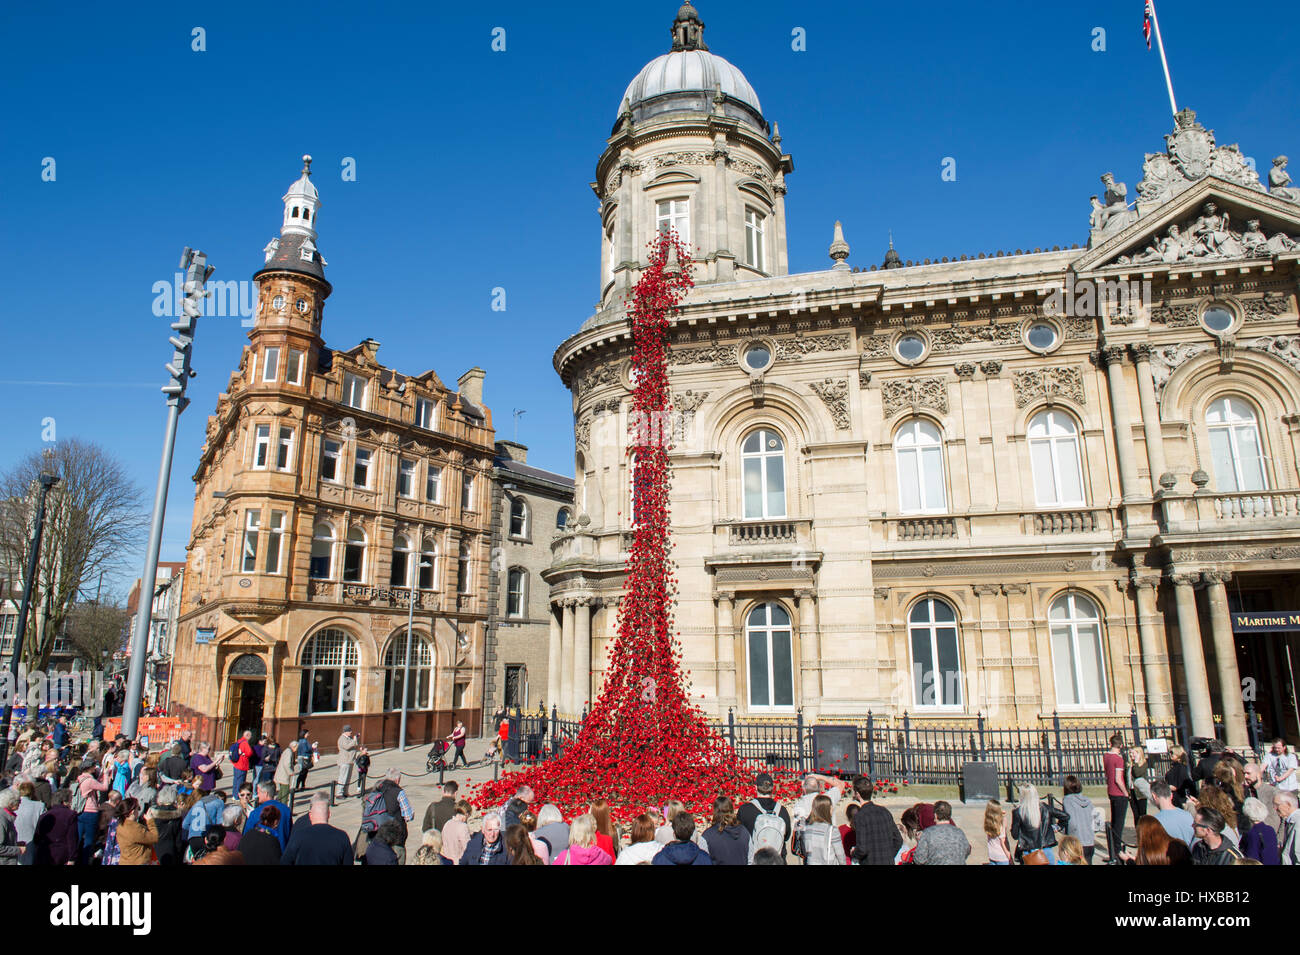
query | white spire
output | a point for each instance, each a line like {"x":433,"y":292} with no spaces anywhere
{"x":300,"y":205}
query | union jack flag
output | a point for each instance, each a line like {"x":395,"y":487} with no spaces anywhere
{"x":1146,"y":22}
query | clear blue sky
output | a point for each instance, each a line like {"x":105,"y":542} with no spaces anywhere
{"x":473,"y":168}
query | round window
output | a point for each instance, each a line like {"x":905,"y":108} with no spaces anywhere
{"x":1041,"y":336}
{"x":302,"y":305}
{"x":1217,"y":318}
{"x":757,"y":357}
{"x":910,"y":347}
{"x":277,"y":302}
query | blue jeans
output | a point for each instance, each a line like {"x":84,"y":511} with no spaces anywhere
{"x":237,"y":777}
{"x":87,"y":827}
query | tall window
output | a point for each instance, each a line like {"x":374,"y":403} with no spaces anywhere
{"x":462,"y":570}
{"x":354,"y":391}
{"x":284,"y":451}
{"x":424,"y":417}
{"x":400,"y":575}
{"x":675,"y":215}
{"x":919,"y":450}
{"x":1235,"y":446}
{"x":1054,"y":451}
{"x":271,"y":364}
{"x":562,"y":519}
{"x":322,"y":552}
{"x":433,"y":484}
{"x":361,"y":467}
{"x":936,"y":658}
{"x":274,"y":542}
{"x":611,"y":251}
{"x":467,"y":491}
{"x":755,"y":223}
{"x":293,"y":367}
{"x":515,"y":583}
{"x":261,"y":445}
{"x":763,"y":465}
{"x":354,"y":556}
{"x":518,"y":517}
{"x":418,"y":696}
{"x":1077,"y":654}
{"x":329,"y":460}
{"x":428,"y":565}
{"x":771,"y":658}
{"x":405,"y":478}
{"x":252,"y":521}
{"x":329,"y":674}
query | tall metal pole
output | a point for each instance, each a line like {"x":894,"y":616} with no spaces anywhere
{"x":406,"y":666}
{"x":197,"y":272}
{"x":1169,"y":84}
{"x":47,"y":481}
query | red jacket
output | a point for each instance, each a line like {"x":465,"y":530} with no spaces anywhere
{"x":245,"y":756}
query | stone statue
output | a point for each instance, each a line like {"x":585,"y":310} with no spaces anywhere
{"x":1279,"y":182}
{"x":1113,"y":215}
{"x":1167,"y":249}
{"x":1253,"y":240}
{"x":1157,"y":179}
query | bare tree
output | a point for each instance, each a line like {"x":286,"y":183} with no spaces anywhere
{"x":95,"y":633}
{"x":94,"y":521}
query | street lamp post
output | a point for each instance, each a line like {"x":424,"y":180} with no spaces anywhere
{"x":406,"y":665}
{"x":47,"y":481}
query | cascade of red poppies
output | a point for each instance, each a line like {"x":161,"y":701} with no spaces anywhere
{"x":643,"y":741}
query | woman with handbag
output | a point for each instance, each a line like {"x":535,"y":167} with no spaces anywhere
{"x":1032,"y":828}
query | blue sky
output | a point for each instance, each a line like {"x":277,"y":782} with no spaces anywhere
{"x":473,"y":169}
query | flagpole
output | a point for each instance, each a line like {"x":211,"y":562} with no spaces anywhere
{"x":1173,"y":107}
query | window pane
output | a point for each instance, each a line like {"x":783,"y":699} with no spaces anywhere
{"x":753,"y":487}
{"x":782,"y":669}
{"x":1092,"y":665}
{"x":1040,"y":453}
{"x":776,"y":486}
{"x":325,"y":691}
{"x":949,"y":667}
{"x":779,"y":617}
{"x":932,"y":476}
{"x":1064,"y":667}
{"x":1251,"y":459}
{"x":942,"y":612}
{"x":922,"y":668}
{"x":1225,"y":475}
{"x":1067,"y":458}
{"x":909,"y":481}
{"x":759,"y":694}
{"x":352,"y":557}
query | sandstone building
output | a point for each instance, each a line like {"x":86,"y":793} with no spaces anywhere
{"x":1009,"y":484}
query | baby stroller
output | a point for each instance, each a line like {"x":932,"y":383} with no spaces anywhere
{"x":438,"y":756}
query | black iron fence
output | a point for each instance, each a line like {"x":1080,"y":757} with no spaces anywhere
{"x":917,"y":750}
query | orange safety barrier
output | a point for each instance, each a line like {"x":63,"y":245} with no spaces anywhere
{"x":159,"y":729}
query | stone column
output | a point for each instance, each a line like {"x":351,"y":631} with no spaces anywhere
{"x":1155,"y":439}
{"x":809,"y":651}
{"x":726,"y":649}
{"x":1113,"y":358}
{"x":566,"y":660}
{"x":553,"y":658}
{"x":1189,"y":636}
{"x":1225,"y":658}
{"x":1155,"y":656}
{"x":582,"y":654}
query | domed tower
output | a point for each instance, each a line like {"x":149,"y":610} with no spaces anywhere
{"x":691,"y":151}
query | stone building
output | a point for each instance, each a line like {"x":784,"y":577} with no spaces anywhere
{"x":530,"y":507}
{"x":331,"y":491}
{"x":1009,"y":484}
{"x":164,"y":613}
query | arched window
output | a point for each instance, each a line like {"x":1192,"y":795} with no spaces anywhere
{"x":329,"y":674}
{"x":936,"y":655}
{"x":429,"y":565}
{"x":562,"y":519}
{"x":762,"y":459}
{"x":771,"y":658}
{"x":400,"y":576}
{"x":419,"y":696}
{"x":1054,"y":452}
{"x":516,"y":584}
{"x":1235,"y":446}
{"x":354,"y":556}
{"x":518,"y":517}
{"x":1077,"y":653}
{"x":322,"y":551}
{"x":918,"y":447}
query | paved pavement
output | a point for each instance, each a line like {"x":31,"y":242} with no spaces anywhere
{"x":422,"y":789}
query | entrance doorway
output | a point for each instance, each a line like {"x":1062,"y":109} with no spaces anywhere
{"x":247,"y":697}
{"x":1265,"y":665}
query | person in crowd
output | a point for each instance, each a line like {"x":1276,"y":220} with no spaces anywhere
{"x":240,"y":768}
{"x":202,"y":815}
{"x":847,"y":836}
{"x":1069,"y":851}
{"x":1177,"y":822}
{"x":137,"y":833}
{"x":266,"y":800}
{"x":1033,"y":823}
{"x":1211,"y":847}
{"x":347,"y":745}
{"x":909,"y":827}
{"x":756,"y":816}
{"x":1204,"y":769}
{"x":664,"y":832}
{"x":362,"y":763}
{"x":88,"y":787}
{"x":459,"y":736}
{"x":399,"y":808}
{"x":171,"y":770}
{"x":1263,"y":790}
{"x":606,"y":835}
{"x":1285,"y":803}
{"x":767,"y":857}
{"x":1281,"y":767}
{"x":943,"y":843}
{"x":1212,"y":797}
{"x":268,"y":758}
{"x":187,"y":741}
{"x":233,"y":818}
{"x":519,"y":846}
{"x":584,"y":848}
{"x":552,"y":829}
{"x":436,"y":816}
{"x":682,"y":850}
{"x":247,"y":801}
{"x":815,"y":784}
{"x":382,"y":848}
{"x":995,"y":831}
{"x":486,"y":847}
{"x":1079,"y":808}
{"x":877,"y":839}
{"x":455,"y":833}
{"x":1230,"y":776}
{"x":1139,"y":785}
{"x":529,"y":821}
{"x":262,"y":842}
{"x":314,"y":841}
{"x":206,"y":768}
{"x":644,"y":846}
{"x":304,"y":758}
{"x":1259,"y":841}
{"x":727,"y":840}
{"x":215,"y":850}
{"x":1153,"y":844}
{"x":822,"y":843}
{"x":55,"y":840}
{"x":283,"y":776}
{"x":430,"y":851}
{"x":522,"y":799}
{"x":1117,"y":792}
{"x":170,"y":845}
{"x":10,"y":852}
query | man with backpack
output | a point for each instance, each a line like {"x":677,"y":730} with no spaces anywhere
{"x":386,"y":803}
{"x":766,"y":819}
{"x":241,"y":761}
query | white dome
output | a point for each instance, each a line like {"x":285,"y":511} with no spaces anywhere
{"x":689,"y":71}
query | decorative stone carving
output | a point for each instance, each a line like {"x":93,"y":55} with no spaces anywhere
{"x":965,"y":370}
{"x":1209,"y":238}
{"x":1113,"y":215}
{"x":1269,"y":305}
{"x":916,"y":393}
{"x":881,"y":593}
{"x":864,"y":376}
{"x":991,"y":368}
{"x":834,"y":393}
{"x":1190,"y":155}
{"x":798,"y":346}
{"x":950,"y":339}
{"x":1282,"y":347}
{"x":705,"y":354}
{"x":686,"y":403}
{"x":682,"y":158}
{"x":1183,"y":315}
{"x":1279,"y":182}
{"x":1080,"y":329}
{"x":875,"y":346}
{"x":1165,"y":359}
{"x":582,"y":433}
{"x":1141,"y":351}
{"x":604,"y":375}
{"x":612,"y":405}
{"x":1048,"y":383}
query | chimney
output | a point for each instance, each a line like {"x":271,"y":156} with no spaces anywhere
{"x":513,"y":450}
{"x":471,"y":385}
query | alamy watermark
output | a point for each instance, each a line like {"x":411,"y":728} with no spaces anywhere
{"x":37,"y":690}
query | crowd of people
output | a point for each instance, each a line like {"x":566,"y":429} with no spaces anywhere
{"x":117,"y":803}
